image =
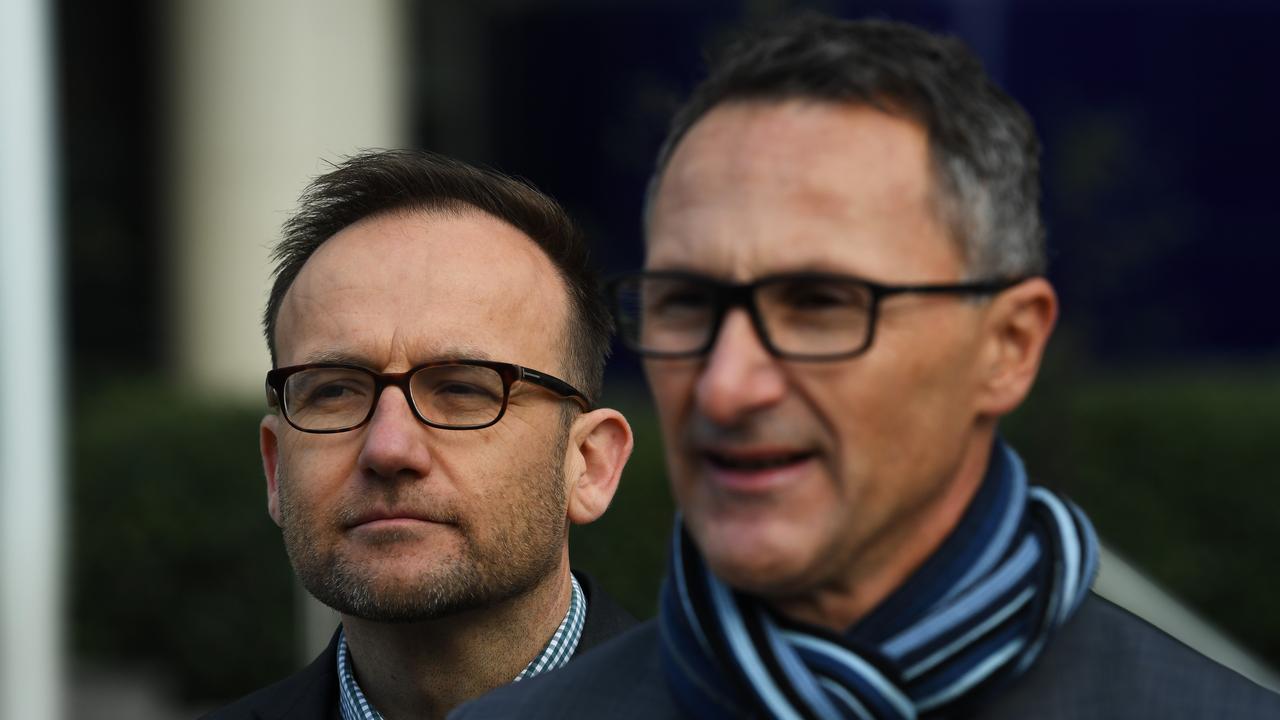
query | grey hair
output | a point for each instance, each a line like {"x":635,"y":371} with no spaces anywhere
{"x":984,"y":149}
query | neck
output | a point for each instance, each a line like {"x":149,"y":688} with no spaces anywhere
{"x":889,"y":560}
{"x":425,"y":669}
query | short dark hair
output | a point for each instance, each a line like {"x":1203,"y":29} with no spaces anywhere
{"x":984,"y":149}
{"x":382,"y":181}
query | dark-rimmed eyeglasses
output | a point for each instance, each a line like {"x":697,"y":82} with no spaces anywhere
{"x":797,"y":316}
{"x":449,"y":394}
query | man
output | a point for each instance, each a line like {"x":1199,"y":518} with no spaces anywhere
{"x":843,"y":294}
{"x":424,"y":458}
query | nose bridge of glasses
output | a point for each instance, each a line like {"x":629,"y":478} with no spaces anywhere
{"x":402,"y":381}
{"x":741,"y":296}
{"x":736,"y":297}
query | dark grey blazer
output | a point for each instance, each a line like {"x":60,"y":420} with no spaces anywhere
{"x":312,"y":693}
{"x":1104,"y":664}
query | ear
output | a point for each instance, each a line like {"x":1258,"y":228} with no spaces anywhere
{"x":269,"y":444}
{"x":600,"y":442}
{"x":1019,"y":322}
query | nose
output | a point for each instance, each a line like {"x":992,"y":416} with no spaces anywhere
{"x":395,"y":441}
{"x":740,"y":376}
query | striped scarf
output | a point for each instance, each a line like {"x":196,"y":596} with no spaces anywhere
{"x":976,"y":614}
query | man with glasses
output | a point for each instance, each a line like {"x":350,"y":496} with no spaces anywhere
{"x":438,"y":341}
{"x":843,"y":293}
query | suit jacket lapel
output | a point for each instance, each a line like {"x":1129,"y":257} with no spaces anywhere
{"x":605,"y":617}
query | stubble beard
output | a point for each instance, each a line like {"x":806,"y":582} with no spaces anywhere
{"x":524,"y":548}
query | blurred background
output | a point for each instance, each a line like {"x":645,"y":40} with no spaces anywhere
{"x":176,"y":136}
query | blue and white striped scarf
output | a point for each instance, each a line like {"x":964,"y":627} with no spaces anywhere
{"x":977,"y":613}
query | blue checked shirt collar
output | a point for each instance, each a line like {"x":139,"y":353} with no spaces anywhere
{"x":558,"y":651}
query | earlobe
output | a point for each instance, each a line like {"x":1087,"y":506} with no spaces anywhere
{"x":601,"y":440}
{"x":1021,"y":321}
{"x":268,"y":444}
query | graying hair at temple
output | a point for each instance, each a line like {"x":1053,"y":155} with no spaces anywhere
{"x":984,"y":148}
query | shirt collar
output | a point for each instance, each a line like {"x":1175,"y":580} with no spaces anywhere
{"x":557,"y":652}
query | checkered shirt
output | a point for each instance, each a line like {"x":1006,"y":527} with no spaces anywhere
{"x":355,"y":706}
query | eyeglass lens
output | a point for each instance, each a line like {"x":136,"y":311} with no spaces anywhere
{"x":447,"y":395}
{"x":802,"y":316}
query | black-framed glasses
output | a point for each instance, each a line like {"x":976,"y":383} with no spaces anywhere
{"x":797,"y":316}
{"x":448,"y":394}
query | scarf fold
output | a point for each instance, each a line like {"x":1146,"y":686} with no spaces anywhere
{"x":978,"y":612}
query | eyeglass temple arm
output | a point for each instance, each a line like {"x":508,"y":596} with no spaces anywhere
{"x":555,"y":385}
{"x":990,"y":286}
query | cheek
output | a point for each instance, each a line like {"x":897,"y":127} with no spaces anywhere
{"x":310,"y":470}
{"x":900,"y":418}
{"x":940,"y":386}
{"x":672,"y":384}
{"x":517,"y":503}
{"x":870,"y":414}
{"x":500,"y":469}
{"x":469,"y":458}
{"x":673,"y":397}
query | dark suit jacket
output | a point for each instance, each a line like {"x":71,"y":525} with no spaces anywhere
{"x":312,"y":694}
{"x":1104,"y":664}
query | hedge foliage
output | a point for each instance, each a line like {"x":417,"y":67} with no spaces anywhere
{"x":176,"y":565}
{"x":1179,"y":472}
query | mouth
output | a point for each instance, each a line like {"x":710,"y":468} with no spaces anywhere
{"x":755,"y":471}
{"x":755,"y":461}
{"x":393,"y":518}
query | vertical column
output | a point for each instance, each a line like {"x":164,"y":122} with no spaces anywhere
{"x":31,"y":477}
{"x":263,"y":93}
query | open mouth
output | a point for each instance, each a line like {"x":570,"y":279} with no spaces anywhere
{"x":755,"y":462}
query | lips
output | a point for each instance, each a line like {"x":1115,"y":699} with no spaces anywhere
{"x":380,"y":515}
{"x":755,"y":472}
{"x":755,"y":460}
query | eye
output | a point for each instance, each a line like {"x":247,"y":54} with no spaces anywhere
{"x":819,"y":296}
{"x":448,"y":388}
{"x":326,"y":390}
{"x":677,"y":298}
{"x":462,"y":390}
{"x":333,"y":391}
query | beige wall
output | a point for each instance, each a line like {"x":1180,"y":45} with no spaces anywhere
{"x":263,"y":91}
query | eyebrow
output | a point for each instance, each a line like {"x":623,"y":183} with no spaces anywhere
{"x":814,"y":267}
{"x":338,"y":357}
{"x":345,"y":357}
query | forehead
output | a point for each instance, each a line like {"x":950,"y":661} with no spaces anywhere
{"x":406,"y":287}
{"x":761,"y":187}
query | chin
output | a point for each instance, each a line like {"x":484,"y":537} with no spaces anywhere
{"x":754,"y":557}
{"x":399,"y":592}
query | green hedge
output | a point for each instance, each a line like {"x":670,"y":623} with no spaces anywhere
{"x":1178,"y":470}
{"x":177,"y":566}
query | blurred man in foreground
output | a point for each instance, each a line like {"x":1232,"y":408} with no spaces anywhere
{"x":425,"y":458}
{"x":843,"y":293}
